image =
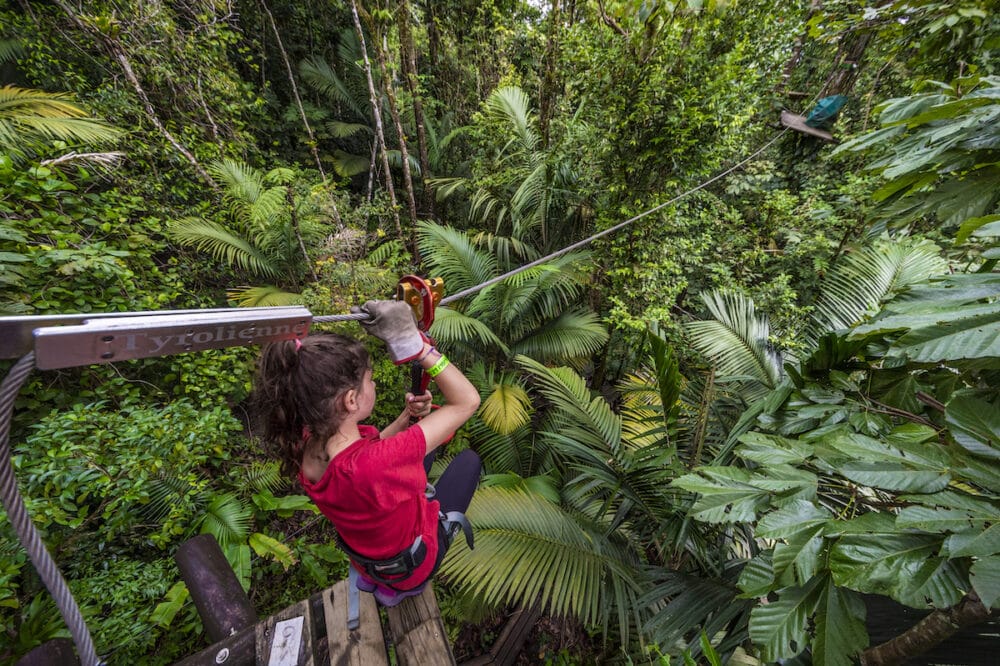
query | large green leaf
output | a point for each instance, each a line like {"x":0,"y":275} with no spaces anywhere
{"x":839,"y":626}
{"x":757,"y":578}
{"x":798,"y":558}
{"x":889,"y":475}
{"x":772,"y":449}
{"x":725,"y":495}
{"x":902,"y":566}
{"x":939,"y":582}
{"x":973,"y":543}
{"x":960,"y":338}
{"x":975,"y":424}
{"x":940,"y":520}
{"x":268,"y":546}
{"x":793,"y":519}
{"x":165,"y":611}
{"x":985,"y":577}
{"x":780,"y":627}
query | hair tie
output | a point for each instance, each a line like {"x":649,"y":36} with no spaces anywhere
{"x":298,"y":344}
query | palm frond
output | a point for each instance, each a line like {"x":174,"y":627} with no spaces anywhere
{"x":227,"y":519}
{"x":259,"y":297}
{"x":589,"y":419}
{"x":511,"y":103}
{"x":28,"y":118}
{"x":222,"y":244}
{"x":451,"y":326}
{"x":165,"y":492}
{"x":542,"y":485}
{"x":509,"y":251}
{"x":574,"y":335}
{"x":446,"y":187}
{"x":688,"y":605}
{"x":265,"y":476}
{"x":279,"y":176}
{"x":450,"y":254}
{"x":506,"y":408}
{"x":321,"y":77}
{"x":241,"y":183}
{"x":11,"y":49}
{"x":863,"y":280}
{"x":347,"y":164}
{"x":529,"y":550}
{"x":268,"y":207}
{"x":343,"y":130}
{"x":737,"y":340}
{"x":395,"y":158}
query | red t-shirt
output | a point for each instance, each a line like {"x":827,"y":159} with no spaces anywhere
{"x":373,"y":493}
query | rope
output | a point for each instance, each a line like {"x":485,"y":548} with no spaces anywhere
{"x":17,"y":513}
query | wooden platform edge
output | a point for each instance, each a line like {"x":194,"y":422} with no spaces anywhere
{"x":418,"y":631}
{"x":278,"y":634}
{"x":365,"y":645}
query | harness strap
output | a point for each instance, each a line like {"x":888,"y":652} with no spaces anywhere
{"x":353,"y":599}
{"x":452,"y":521}
{"x":390,"y":570}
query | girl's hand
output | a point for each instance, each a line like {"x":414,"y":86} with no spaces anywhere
{"x":418,"y":406}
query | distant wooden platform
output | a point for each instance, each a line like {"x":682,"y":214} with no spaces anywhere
{"x":798,"y":123}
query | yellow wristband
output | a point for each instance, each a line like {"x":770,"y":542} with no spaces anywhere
{"x":438,"y":367}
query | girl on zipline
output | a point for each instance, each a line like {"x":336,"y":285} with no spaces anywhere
{"x":314,"y":394}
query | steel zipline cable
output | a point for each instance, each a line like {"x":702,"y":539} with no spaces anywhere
{"x":13,"y":502}
{"x":577,"y":245}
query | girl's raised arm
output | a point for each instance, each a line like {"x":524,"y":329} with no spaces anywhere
{"x":393,"y":323}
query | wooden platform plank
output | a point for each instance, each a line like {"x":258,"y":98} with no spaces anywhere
{"x":798,"y":123}
{"x":418,"y":632}
{"x":286,"y":638}
{"x":365,"y":645}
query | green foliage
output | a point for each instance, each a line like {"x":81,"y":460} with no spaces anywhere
{"x":937,"y":151}
{"x":32,"y":120}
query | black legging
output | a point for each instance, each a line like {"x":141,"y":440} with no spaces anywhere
{"x":454,"y":490}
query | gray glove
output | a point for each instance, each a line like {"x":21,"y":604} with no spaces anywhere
{"x":393,"y":323}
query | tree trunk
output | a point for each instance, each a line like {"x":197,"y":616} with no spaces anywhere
{"x":377,"y":112}
{"x":290,"y":198}
{"x":408,"y":56}
{"x":390,"y":93}
{"x":547,"y":94}
{"x":797,"y":47}
{"x":933,"y":629}
{"x":847,"y":64}
{"x":117,"y":52}
{"x":433,"y":36}
{"x":298,"y":104}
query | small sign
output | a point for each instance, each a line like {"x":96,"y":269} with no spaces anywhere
{"x":285,"y":643}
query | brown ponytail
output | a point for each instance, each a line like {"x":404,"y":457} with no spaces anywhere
{"x":298,"y":388}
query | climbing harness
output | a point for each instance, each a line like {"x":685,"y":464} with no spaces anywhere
{"x":63,"y":341}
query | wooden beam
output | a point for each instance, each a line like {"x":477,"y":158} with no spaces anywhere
{"x":418,"y":631}
{"x":798,"y":123}
{"x":365,"y":646}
